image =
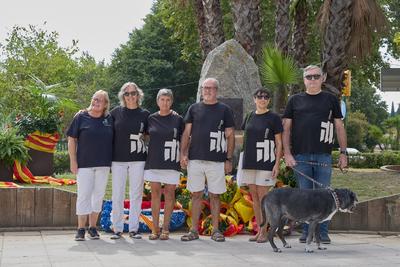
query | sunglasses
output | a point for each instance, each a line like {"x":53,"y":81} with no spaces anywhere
{"x":313,"y":77}
{"x":262,"y":96}
{"x":133,"y":93}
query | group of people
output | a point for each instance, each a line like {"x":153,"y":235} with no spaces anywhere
{"x":154,"y":147}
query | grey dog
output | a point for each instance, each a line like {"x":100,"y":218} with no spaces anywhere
{"x":303,"y":205}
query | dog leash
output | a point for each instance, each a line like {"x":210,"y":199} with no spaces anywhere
{"x":333,"y":193}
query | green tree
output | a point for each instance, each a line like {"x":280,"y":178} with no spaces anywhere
{"x":357,"y":129}
{"x":393,"y":126}
{"x":374,"y":137}
{"x":153,"y":59}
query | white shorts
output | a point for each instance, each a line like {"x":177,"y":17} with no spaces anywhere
{"x":162,"y":176}
{"x":257,"y":177}
{"x":201,"y":170}
{"x":91,"y":186}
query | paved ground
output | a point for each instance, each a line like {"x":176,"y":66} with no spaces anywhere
{"x":57,"y":248}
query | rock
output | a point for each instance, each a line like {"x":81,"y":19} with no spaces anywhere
{"x":236,"y":72}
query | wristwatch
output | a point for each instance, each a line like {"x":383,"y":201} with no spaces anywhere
{"x":344,"y":152}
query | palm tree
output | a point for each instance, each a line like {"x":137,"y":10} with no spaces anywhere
{"x":277,"y":71}
{"x":282,"y":37}
{"x":347,"y":26}
{"x":202,"y":28}
{"x":213,"y":20}
{"x":299,"y":50}
{"x":247,"y":24}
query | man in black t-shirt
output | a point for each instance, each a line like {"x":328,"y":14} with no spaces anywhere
{"x":206,"y":150}
{"x":308,"y":124}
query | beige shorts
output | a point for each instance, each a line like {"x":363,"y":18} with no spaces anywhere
{"x":200,"y":171}
{"x":162,"y":176}
{"x":257,"y":177}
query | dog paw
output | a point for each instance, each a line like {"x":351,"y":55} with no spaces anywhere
{"x":277,"y":250}
{"x":321,"y":248}
{"x":287,"y":245}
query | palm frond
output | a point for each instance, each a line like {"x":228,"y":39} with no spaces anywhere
{"x":276,"y":69}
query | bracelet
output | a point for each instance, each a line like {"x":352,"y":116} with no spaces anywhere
{"x":228,"y":159}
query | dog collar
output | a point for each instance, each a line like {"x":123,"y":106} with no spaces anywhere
{"x":335,"y":197}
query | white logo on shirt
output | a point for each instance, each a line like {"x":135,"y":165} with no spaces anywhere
{"x":171,"y":150}
{"x":326,"y":135}
{"x":137,"y":143}
{"x":217,"y":141}
{"x":265,"y":150}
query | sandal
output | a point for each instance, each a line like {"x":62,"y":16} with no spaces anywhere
{"x":192,"y":235}
{"x":164,"y":235}
{"x":217,"y":236}
{"x":154,"y":236}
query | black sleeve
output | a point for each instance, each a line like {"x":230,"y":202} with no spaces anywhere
{"x":278,"y":125}
{"x":146,"y":114}
{"x":73,"y":130}
{"x":246,"y":119}
{"x":288,"y":114}
{"x":228,"y":118}
{"x":337,"y":112}
{"x":189,"y":116}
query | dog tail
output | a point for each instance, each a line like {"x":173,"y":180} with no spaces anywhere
{"x":263,"y":214}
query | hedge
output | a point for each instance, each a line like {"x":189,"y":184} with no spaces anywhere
{"x":61,"y":162}
{"x":370,"y":160}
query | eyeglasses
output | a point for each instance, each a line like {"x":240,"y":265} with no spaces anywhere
{"x":313,"y":77}
{"x":262,"y":96}
{"x":133,"y":93}
{"x":98,"y":100}
{"x":208,"y":87}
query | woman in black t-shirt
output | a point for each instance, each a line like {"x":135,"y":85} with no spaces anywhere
{"x":261,"y":154}
{"x":90,"y":138}
{"x":163,"y":161}
{"x":129,"y":156}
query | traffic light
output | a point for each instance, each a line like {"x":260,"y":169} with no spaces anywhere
{"x":346,"y":90}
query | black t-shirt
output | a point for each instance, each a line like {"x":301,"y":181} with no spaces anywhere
{"x":208,"y":130}
{"x":94,"y":136}
{"x":312,"y":122}
{"x":130,"y":125}
{"x":259,"y":143}
{"x":165,"y":136}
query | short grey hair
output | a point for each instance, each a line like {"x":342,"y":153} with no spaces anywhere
{"x":311,"y":67}
{"x":123,"y":89}
{"x":216,"y":82}
{"x":165,"y":92}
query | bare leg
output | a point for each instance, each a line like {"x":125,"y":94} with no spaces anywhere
{"x":155,"y":205}
{"x":82,"y":220}
{"x":93,"y":219}
{"x":169,"y":194}
{"x":215,"y":210}
{"x":196,"y":208}
{"x":261,"y":192}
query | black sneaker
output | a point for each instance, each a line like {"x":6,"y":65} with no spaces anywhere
{"x":303,"y":237}
{"x":93,"y":234}
{"x":135,"y":235}
{"x":80,"y":235}
{"x":116,"y":235}
{"x":324,"y":238}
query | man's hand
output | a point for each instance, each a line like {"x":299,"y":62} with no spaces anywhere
{"x":342,"y":161}
{"x":184,"y":162}
{"x":290,"y":161}
{"x":228,"y":167}
{"x":275,"y":171}
{"x":74,"y":167}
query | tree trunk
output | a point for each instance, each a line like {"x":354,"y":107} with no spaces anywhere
{"x":247,"y":24}
{"x":282,"y":35}
{"x":336,"y":38}
{"x":202,"y":28}
{"x":300,"y":47}
{"x":213,"y":20}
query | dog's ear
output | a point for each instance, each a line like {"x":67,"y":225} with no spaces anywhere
{"x":353,"y":196}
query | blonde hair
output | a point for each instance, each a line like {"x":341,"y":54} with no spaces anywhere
{"x":123,"y":89}
{"x":103,"y":93}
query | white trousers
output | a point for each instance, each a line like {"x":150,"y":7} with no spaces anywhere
{"x":120,"y":171}
{"x":91,"y":186}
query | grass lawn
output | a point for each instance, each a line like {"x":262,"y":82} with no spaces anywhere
{"x":366,"y":183}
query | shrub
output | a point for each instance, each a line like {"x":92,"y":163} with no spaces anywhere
{"x":370,"y":160}
{"x":61,"y":162}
